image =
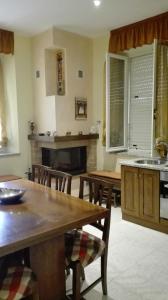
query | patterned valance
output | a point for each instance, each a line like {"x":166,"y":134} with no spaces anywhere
{"x":139,"y":33}
{"x":6,"y":42}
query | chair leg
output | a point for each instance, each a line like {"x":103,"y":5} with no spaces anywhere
{"x":82,"y":273}
{"x":32,"y":297}
{"x":35,"y":293}
{"x":115,"y":200}
{"x":104,"y":273}
{"x":68,"y":272}
{"x":35,"y":296}
{"x":76,"y":280}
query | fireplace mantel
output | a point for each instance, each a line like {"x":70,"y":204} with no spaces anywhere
{"x":65,"y":138}
{"x":62,"y":142}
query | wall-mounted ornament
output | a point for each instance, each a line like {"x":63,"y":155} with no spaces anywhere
{"x":37,"y":74}
{"x":80,"y":74}
{"x":68,"y":133}
{"x":60,"y":72}
{"x":80,"y":108}
{"x":48,"y":133}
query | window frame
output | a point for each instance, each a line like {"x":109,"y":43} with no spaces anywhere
{"x":124,"y":147}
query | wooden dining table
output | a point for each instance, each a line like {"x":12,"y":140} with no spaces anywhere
{"x":38,"y":223}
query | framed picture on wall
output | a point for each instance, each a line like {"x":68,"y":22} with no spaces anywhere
{"x":80,"y":108}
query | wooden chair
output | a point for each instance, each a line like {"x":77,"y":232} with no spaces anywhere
{"x":17,"y":281}
{"x":62,"y":180}
{"x":62,"y":183}
{"x":81,"y":248}
{"x":115,"y":178}
{"x":39,"y":173}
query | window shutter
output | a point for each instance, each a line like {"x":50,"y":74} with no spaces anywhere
{"x":141,"y":88}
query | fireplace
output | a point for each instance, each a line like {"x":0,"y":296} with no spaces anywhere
{"x":70,"y":160}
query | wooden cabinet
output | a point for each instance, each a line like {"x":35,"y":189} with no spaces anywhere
{"x":140,"y":193}
{"x":129,"y":190}
{"x":149,"y":195}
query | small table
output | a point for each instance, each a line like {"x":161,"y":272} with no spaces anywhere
{"x":4,"y":178}
{"x":113,"y":177}
{"x":39,"y":223}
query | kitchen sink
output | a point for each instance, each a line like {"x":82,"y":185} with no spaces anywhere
{"x":151,"y":161}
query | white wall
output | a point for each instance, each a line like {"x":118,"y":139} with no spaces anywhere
{"x":18,"y":164}
{"x":44,"y":107}
{"x":78,"y":57}
{"x":58,"y":112}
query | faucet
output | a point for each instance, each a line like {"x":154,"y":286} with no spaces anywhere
{"x":162,"y":147}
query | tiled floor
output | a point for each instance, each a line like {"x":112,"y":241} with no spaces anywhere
{"x":137,"y":263}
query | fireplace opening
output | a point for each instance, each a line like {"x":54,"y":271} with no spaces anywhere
{"x":70,"y":160}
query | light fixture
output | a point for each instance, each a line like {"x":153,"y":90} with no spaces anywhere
{"x":97,"y":2}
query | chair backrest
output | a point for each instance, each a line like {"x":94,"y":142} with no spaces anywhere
{"x":39,"y":173}
{"x":62,"y":180}
{"x":100,"y":193}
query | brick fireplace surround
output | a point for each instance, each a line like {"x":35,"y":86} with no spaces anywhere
{"x":62,"y":142}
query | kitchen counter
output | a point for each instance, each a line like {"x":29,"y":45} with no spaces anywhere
{"x":133,"y":163}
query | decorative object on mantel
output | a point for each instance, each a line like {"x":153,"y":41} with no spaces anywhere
{"x":60,"y":73}
{"x":32,"y":126}
{"x":93,"y":129}
{"x":48,"y":133}
{"x":80,"y":108}
{"x":55,"y":133}
{"x":68,"y":133}
{"x":41,"y":134}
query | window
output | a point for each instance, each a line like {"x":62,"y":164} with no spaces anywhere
{"x":130,"y":101}
{"x":140,"y":103}
{"x":116,"y":105}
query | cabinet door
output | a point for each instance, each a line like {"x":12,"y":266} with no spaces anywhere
{"x":149,"y":195}
{"x":129,"y":190}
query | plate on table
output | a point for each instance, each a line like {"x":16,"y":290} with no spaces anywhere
{"x":10,"y":196}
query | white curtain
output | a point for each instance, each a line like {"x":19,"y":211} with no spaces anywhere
{"x":3,"y":135}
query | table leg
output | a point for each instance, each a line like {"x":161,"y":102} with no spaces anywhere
{"x":48,"y":263}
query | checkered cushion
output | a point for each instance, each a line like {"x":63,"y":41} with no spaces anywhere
{"x":83,"y":246}
{"x":17,"y":283}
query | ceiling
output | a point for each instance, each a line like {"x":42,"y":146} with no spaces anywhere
{"x":30,"y":17}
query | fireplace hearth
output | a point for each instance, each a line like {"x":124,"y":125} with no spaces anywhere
{"x":71,"y":160}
